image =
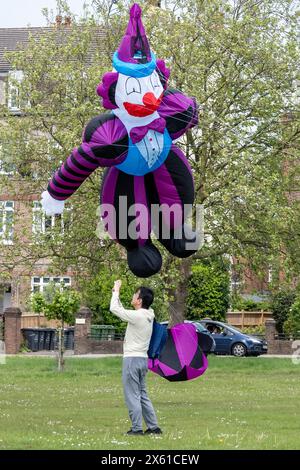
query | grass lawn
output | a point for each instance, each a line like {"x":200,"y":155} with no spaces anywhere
{"x":239,"y":403}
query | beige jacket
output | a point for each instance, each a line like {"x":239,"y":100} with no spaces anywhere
{"x":139,"y":328}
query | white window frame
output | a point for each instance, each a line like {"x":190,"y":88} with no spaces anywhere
{"x":2,"y":160}
{"x":7,"y":207}
{"x":270,"y":275}
{"x":16,"y":75}
{"x":38,"y":212}
{"x":39,"y":281}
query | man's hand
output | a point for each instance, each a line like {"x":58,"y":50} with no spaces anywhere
{"x":117,"y":286}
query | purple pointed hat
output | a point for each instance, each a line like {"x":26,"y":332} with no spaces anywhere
{"x":134,"y":57}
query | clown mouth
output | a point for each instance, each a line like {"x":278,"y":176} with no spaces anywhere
{"x":151,"y":104}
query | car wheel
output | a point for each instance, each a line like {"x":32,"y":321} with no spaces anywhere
{"x":239,"y":350}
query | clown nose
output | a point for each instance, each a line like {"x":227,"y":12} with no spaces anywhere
{"x":150,"y":101}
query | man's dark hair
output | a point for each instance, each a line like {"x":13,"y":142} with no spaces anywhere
{"x":146,"y":295}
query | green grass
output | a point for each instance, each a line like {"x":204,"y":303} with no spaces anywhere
{"x":239,"y":403}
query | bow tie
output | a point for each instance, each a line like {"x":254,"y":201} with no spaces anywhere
{"x":138,"y":133}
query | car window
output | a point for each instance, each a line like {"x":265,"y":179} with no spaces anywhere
{"x":214,"y":329}
{"x":199,"y":326}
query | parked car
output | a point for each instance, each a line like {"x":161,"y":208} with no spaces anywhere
{"x":201,"y":329}
{"x":230,"y":340}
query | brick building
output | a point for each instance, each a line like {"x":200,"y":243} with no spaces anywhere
{"x":22,"y":215}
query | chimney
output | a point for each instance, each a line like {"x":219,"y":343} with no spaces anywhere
{"x":68,"y":21}
{"x":58,"y":20}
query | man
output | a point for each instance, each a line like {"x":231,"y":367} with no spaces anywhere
{"x":135,"y":358}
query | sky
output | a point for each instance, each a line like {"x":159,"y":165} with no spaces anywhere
{"x":18,"y":13}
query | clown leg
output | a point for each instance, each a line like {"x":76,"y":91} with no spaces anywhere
{"x":130,"y":223}
{"x":171,"y":191}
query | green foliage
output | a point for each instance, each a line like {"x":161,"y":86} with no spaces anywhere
{"x":281,"y":304}
{"x":37,"y":302}
{"x":254,"y":330}
{"x":291,"y":326}
{"x":208,"y":292}
{"x":57,"y":303}
{"x":97,"y":294}
{"x":239,"y":303}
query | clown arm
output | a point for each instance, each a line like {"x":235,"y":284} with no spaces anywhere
{"x":180,"y":112}
{"x":105,"y":143}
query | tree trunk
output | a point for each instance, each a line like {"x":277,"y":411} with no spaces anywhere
{"x":178,"y":306}
{"x":61,"y":361}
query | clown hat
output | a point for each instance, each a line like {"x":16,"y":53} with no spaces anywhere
{"x":134,"y":57}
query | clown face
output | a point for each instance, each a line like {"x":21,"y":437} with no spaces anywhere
{"x":139,"y":97}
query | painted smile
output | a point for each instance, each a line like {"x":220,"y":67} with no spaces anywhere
{"x":151,"y":104}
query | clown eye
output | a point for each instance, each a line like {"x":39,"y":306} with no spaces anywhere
{"x":155,"y":82}
{"x":132,"y":86}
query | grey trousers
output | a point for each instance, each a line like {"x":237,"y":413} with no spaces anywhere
{"x":136,"y":398}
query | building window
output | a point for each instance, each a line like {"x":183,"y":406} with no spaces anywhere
{"x":6,"y":222}
{"x":6,"y":165}
{"x":270,"y":275}
{"x":42,"y":223}
{"x":38,"y":284}
{"x":14,"y":79}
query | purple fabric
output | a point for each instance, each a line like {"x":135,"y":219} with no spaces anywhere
{"x":138,"y":133}
{"x":126,"y":49}
{"x":161,"y":65}
{"x":82,"y":161}
{"x":75,"y":184}
{"x":168,"y":196}
{"x":194,"y":373}
{"x":108,"y":133}
{"x":185,"y":349}
{"x":177,"y":102}
{"x":156,"y":365}
{"x":66,"y":192}
{"x":103,"y":89}
{"x":108,"y":194}
{"x":185,"y":340}
{"x":174,"y":102}
{"x":141,"y":199}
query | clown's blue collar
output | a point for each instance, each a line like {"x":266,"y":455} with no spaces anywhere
{"x":134,"y":70}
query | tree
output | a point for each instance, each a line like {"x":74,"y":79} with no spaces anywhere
{"x":59,"y":304}
{"x":240,"y":60}
{"x":208,"y":292}
{"x":281,"y":304}
{"x":291,"y":326}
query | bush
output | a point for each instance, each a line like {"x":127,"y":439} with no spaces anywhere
{"x":254,"y":330}
{"x":280,"y":306}
{"x":291,"y":326}
{"x":238,"y":303}
{"x":208,"y":292}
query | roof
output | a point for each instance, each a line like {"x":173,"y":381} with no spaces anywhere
{"x":11,"y":38}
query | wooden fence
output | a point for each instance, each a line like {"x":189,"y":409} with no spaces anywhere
{"x":243,"y":318}
{"x":31,"y":320}
{"x":238,"y":319}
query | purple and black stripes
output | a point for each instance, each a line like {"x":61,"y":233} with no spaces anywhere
{"x":136,"y":199}
{"x":105,"y":143}
{"x":180,"y":112}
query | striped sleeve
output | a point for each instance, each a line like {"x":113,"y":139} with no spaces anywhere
{"x":105,"y":143}
{"x":180,"y":112}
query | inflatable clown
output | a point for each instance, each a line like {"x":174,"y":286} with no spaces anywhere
{"x":134,"y":140}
